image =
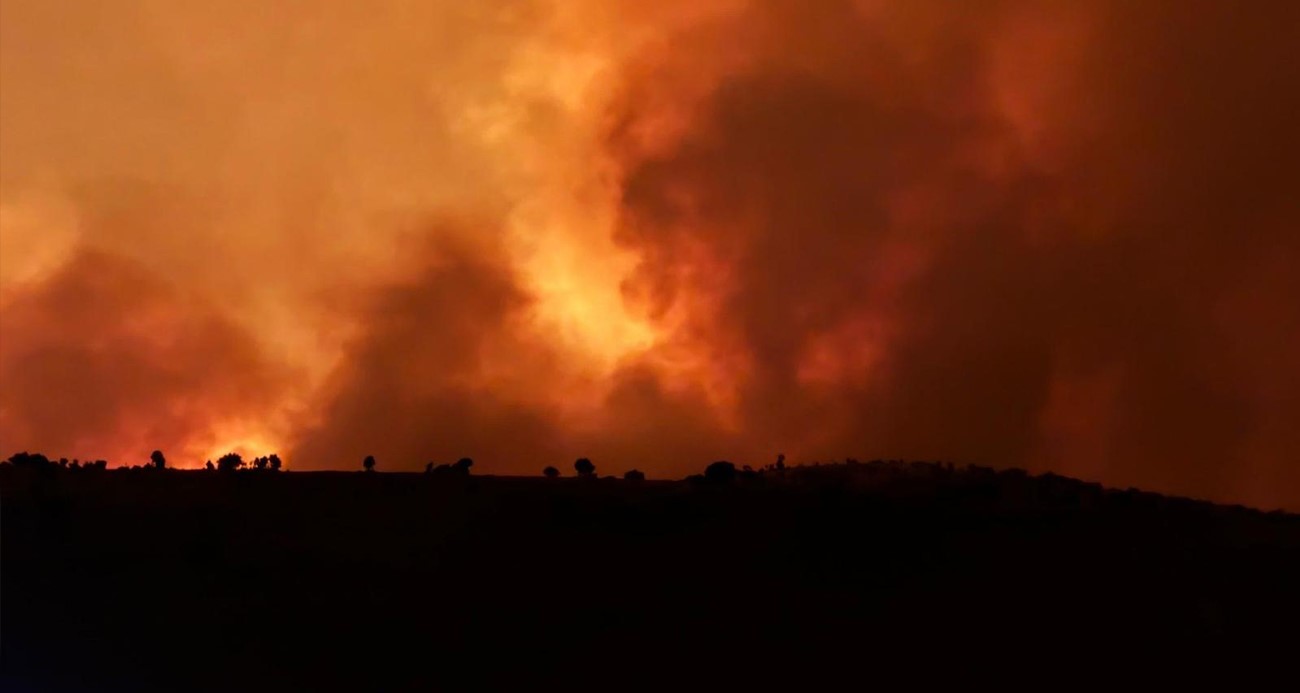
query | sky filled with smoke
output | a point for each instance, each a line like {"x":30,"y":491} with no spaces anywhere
{"x":1057,"y":235}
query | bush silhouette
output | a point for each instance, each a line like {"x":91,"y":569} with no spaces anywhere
{"x":209,"y":466}
{"x":720,"y":472}
{"x":463,"y":464}
{"x":159,"y":462}
{"x":584,"y":467}
{"x":369,"y":463}
{"x":230,"y":462}
{"x":274,"y":460}
{"x":634,"y":475}
{"x":26,"y":459}
{"x":550,"y":472}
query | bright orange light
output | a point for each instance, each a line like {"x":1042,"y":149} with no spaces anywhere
{"x":247,"y":445}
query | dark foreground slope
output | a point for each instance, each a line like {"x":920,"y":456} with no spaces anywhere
{"x":138,"y":580}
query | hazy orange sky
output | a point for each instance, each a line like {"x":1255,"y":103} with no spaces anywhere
{"x":1057,"y":235}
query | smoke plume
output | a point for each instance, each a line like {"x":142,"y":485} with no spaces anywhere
{"x":1055,"y":235}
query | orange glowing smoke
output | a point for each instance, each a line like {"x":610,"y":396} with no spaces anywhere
{"x":1058,"y":236}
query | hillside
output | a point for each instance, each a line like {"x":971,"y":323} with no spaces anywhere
{"x":179,"y":580}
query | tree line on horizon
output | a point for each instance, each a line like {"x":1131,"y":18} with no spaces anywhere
{"x":583,"y":467}
{"x":974,"y":483}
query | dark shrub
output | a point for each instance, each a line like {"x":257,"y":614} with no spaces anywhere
{"x":230,"y":462}
{"x":720,"y":472}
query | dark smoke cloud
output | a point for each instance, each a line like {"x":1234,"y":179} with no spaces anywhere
{"x":104,"y":359}
{"x":415,"y":387}
{"x":1053,"y":235}
{"x":445,"y":368}
{"x":1121,"y":279}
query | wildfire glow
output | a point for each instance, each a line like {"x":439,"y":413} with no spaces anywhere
{"x":657,"y":233}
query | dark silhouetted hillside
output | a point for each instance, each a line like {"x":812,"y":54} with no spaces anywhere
{"x":802,"y":577}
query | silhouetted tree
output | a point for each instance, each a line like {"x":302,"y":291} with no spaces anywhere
{"x":428,"y":468}
{"x":274,"y":459}
{"x":157,"y":459}
{"x":720,"y":472}
{"x":780,"y":462}
{"x":209,"y":466}
{"x":230,"y":462}
{"x":369,"y":463}
{"x":634,"y":475}
{"x":462,"y":465}
{"x":76,"y":464}
{"x":550,"y":472}
{"x":584,"y":467}
{"x":26,"y":459}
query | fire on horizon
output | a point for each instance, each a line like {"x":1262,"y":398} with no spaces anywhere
{"x":1062,"y":236}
